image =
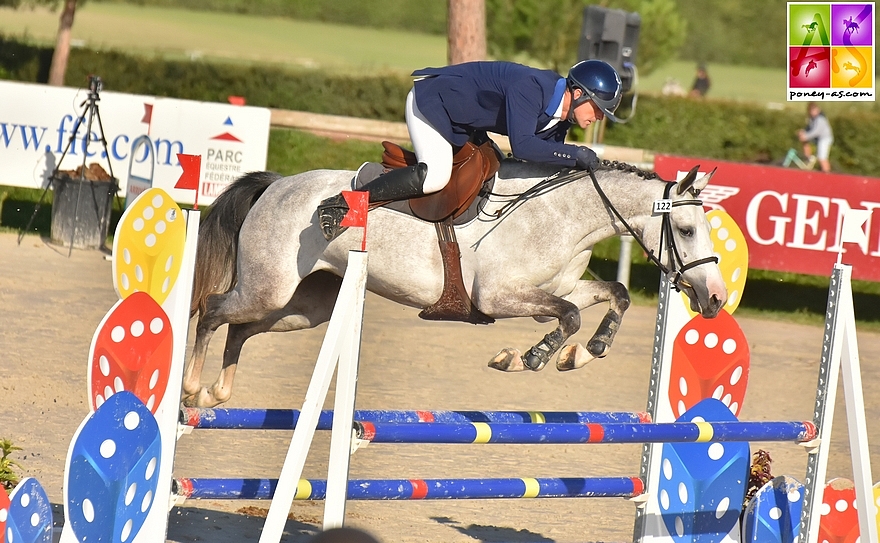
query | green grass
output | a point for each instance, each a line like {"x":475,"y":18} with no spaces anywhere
{"x":739,"y":83}
{"x":769,"y":295}
{"x":181,"y":33}
{"x":242,"y":38}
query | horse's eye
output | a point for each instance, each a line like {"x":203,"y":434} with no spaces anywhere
{"x":686,"y":232}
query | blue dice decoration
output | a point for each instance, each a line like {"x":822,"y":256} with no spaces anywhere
{"x":113,"y":474}
{"x":702,"y":485}
{"x":774,"y":514}
{"x":30,"y":514}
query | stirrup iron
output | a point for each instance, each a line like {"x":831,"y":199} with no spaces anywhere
{"x":330,"y":213}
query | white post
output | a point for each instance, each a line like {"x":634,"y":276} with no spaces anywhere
{"x":339,"y":330}
{"x":672,"y":316}
{"x":624,"y":261}
{"x":839,"y":351}
{"x":343,"y":408}
{"x":855,"y":412}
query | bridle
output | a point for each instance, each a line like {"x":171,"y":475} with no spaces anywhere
{"x":675,"y":273}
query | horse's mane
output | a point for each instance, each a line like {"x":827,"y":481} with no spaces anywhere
{"x":555,"y":177}
{"x":628,"y":168}
{"x":533,"y":169}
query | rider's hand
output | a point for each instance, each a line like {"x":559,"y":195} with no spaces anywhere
{"x":586,"y":159}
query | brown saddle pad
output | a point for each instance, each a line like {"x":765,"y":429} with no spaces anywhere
{"x":471,"y":166}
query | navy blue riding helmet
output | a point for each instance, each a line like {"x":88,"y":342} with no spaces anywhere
{"x":599,"y":82}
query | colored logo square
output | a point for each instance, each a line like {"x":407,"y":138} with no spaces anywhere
{"x":809,"y":67}
{"x":831,"y":51}
{"x":852,"y":67}
{"x":852,"y":24}
{"x":808,"y":24}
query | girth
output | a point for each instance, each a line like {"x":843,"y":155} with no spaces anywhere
{"x":472,"y":165}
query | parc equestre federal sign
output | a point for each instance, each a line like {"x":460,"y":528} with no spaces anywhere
{"x":792,"y":220}
{"x":232,"y":139}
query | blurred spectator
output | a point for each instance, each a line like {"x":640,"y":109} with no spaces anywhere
{"x":701,"y":82}
{"x":343,"y":535}
{"x":818,"y":132}
{"x":672,"y":88}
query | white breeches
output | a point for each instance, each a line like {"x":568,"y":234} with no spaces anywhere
{"x":430,"y":147}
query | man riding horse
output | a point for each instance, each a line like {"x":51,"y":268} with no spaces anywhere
{"x":450,"y":106}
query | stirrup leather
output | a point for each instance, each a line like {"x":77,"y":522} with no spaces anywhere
{"x":330,"y":213}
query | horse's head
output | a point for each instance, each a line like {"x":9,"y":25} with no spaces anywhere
{"x":687,"y":249}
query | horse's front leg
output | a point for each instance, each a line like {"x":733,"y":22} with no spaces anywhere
{"x":586,"y":294}
{"x":533,"y":302}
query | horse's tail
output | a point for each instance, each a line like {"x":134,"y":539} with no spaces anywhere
{"x":218,"y":237}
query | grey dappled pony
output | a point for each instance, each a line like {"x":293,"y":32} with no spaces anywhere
{"x":263,"y":264}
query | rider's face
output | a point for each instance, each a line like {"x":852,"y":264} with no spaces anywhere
{"x":587,"y":113}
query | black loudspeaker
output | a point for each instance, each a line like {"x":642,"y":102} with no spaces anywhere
{"x":611,"y":35}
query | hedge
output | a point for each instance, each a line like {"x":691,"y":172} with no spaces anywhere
{"x":703,"y":128}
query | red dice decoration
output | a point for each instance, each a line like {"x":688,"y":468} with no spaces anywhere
{"x":4,"y":512}
{"x":710,"y":359}
{"x":840,"y":519}
{"x":132,"y":351}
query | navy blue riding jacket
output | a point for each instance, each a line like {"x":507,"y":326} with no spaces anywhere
{"x":502,"y":97}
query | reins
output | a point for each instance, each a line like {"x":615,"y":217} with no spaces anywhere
{"x":674,"y":274}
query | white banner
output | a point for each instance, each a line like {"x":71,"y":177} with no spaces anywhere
{"x":37,"y":123}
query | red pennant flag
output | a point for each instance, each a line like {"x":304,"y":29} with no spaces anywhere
{"x":148,"y":113}
{"x":192,"y":169}
{"x":192,"y":173}
{"x":358,"y":205}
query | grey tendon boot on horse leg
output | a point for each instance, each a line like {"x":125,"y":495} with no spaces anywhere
{"x":398,"y":184}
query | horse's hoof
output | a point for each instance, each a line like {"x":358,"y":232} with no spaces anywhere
{"x":572,"y":357}
{"x":204,"y":399}
{"x":508,"y":360}
{"x":535,"y":361}
{"x":598,"y":348}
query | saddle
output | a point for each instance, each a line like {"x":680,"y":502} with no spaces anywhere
{"x":472,"y":166}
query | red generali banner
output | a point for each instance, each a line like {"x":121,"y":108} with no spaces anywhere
{"x":791,"y":218}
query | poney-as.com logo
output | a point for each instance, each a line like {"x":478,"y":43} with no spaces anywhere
{"x":830,"y":51}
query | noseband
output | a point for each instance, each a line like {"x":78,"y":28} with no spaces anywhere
{"x":673,"y":274}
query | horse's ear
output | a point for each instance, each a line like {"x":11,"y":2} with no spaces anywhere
{"x":688,"y":180}
{"x":703,"y":180}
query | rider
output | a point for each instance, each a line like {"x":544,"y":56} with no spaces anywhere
{"x":450,"y":106}
{"x":818,"y":132}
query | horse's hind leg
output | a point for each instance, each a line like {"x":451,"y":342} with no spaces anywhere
{"x":311,"y":305}
{"x":586,"y":294}
{"x":193,"y":370}
{"x":221,"y":390}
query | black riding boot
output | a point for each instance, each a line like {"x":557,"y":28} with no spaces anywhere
{"x":398,"y":184}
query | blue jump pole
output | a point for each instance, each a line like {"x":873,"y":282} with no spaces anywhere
{"x":552,"y":433}
{"x":286,"y":419}
{"x":415,"y":489}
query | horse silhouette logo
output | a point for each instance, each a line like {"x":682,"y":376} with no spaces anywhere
{"x":849,"y":66}
{"x":812,"y":27}
{"x":851,"y":26}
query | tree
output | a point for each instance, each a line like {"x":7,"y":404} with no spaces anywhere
{"x":62,"y":45}
{"x":466,"y":33}
{"x":548,"y":32}
{"x":62,"y":42}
